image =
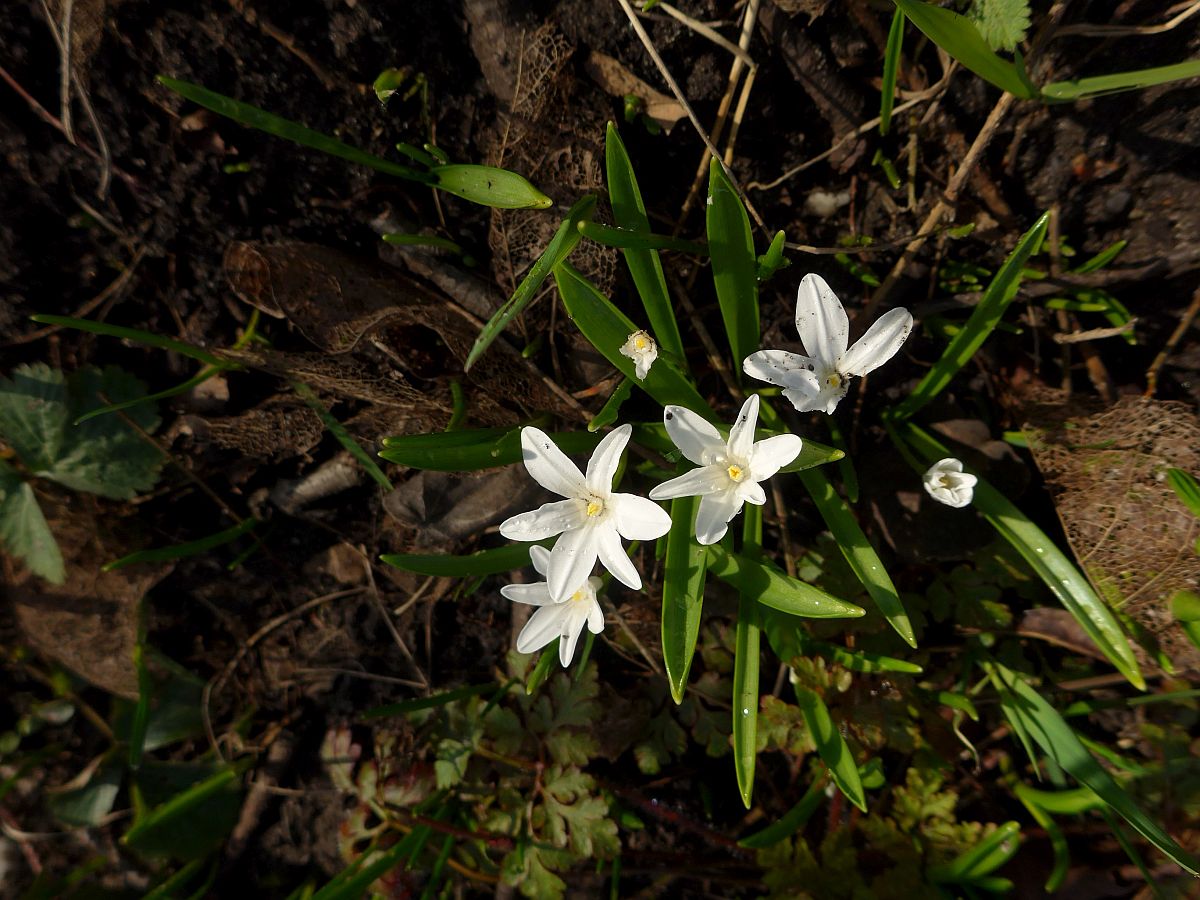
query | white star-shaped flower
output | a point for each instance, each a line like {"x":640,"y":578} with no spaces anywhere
{"x":818,"y":381}
{"x":552,"y":620}
{"x":592,"y":520}
{"x":640,"y":347}
{"x":730,"y":471}
{"x":946,"y":482}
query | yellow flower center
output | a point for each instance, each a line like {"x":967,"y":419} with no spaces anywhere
{"x":735,"y":473}
{"x":834,"y":380}
{"x":595,"y":507}
{"x":576,"y":597}
{"x":640,"y":343}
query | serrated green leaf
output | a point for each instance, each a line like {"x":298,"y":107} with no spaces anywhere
{"x":23,"y":529}
{"x":1003,"y":23}
{"x":734,"y":263}
{"x":33,"y":414}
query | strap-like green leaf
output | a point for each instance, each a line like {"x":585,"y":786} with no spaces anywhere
{"x":179,"y":551}
{"x":1098,"y":85}
{"x":485,"y":562}
{"x":683,"y":594}
{"x":734,"y":264}
{"x":746,"y":662}
{"x":891,"y":65}
{"x":831,"y":746}
{"x":775,"y":589}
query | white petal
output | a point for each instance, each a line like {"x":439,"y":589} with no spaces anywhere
{"x":693,"y":435}
{"x":789,"y":370}
{"x":638,"y":519}
{"x":715,"y":512}
{"x":546,"y":521}
{"x":696,"y":483}
{"x":771,"y":455}
{"x":548,"y":465}
{"x":605,"y":459}
{"x":741,"y":435}
{"x":816,"y":399}
{"x":595,"y":620}
{"x":821,"y":320}
{"x":543,"y":627}
{"x":967,"y":480}
{"x":752,"y":492}
{"x":614,"y":558}
{"x":571,"y":561}
{"x":879,"y":344}
{"x":540,"y":557}
{"x":572,"y":627}
{"x":536,"y":594}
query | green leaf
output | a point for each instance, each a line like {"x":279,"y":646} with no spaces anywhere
{"x":683,"y":594}
{"x":542,"y":669}
{"x":1002,"y":23}
{"x":773,"y":260}
{"x":831,"y":746}
{"x":746,"y":662}
{"x":1058,"y":840}
{"x":353,"y":882}
{"x":469,"y":450}
{"x":790,"y":822}
{"x":981,"y":860}
{"x":645,"y":267}
{"x":565,"y":240}
{"x":734,"y":265}
{"x":1185,"y":607}
{"x":33,"y":414}
{"x":485,"y":562}
{"x":23,"y":529}
{"x":180,"y":551}
{"x":1186,"y":488}
{"x":891,"y":65}
{"x":859,"y":553}
{"x":1099,"y":85}
{"x":192,"y":809}
{"x":344,"y":437}
{"x":254,"y":117}
{"x":173,"y":699}
{"x":138,"y":336}
{"x":87,"y":805}
{"x":789,"y":640}
{"x":1065,"y":581}
{"x":1101,"y":259}
{"x":407,"y":706}
{"x":959,"y":37}
{"x":489,"y":186}
{"x":612,"y":406}
{"x":769,"y":586}
{"x":1059,"y":742}
{"x":608,"y":328}
{"x":984,"y":317}
{"x":624,"y":239}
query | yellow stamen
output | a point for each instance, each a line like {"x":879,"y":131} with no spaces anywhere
{"x":578,"y":595}
{"x":834,"y":380}
{"x":640,"y":343}
{"x":595,"y":507}
{"x":735,"y":473}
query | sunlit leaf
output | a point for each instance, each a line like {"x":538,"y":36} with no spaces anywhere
{"x":734,"y":264}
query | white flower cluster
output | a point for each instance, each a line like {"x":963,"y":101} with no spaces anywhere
{"x":591,"y":520}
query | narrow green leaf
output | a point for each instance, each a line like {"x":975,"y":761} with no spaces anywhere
{"x":344,"y":437}
{"x":683,"y":594}
{"x":179,"y":551}
{"x":24,"y":531}
{"x":645,"y":267}
{"x":407,"y":706}
{"x":1058,"y":840}
{"x":981,"y":860}
{"x":1065,"y":581}
{"x":891,"y":65}
{"x":140,"y":720}
{"x":859,"y":553}
{"x":790,"y":822}
{"x":984,"y":317}
{"x":959,"y":37}
{"x":353,"y":882}
{"x":773,"y":588}
{"x":172,"y":886}
{"x":746,"y":662}
{"x":401,"y":239}
{"x":1186,"y":488}
{"x":137,"y":336}
{"x":612,"y":406}
{"x":485,"y":562}
{"x":773,"y":260}
{"x":1185,"y":607}
{"x":1101,"y":259}
{"x":489,"y":186}
{"x":542,"y":669}
{"x":254,"y":117}
{"x":565,"y":240}
{"x":608,"y":328}
{"x":831,"y":746}
{"x":1099,"y":85}
{"x":472,"y":449}
{"x":788,"y":638}
{"x":1060,"y":743}
{"x":155,"y":833}
{"x":625,"y":239}
{"x":195,"y":381}
{"x":734,"y":265}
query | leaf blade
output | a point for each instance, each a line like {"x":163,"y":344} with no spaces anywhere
{"x":734,"y":264}
{"x":683,"y":595}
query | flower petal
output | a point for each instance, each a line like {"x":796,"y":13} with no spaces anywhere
{"x":789,"y":370}
{"x":817,"y":399}
{"x":535,"y":594}
{"x":543,"y":627}
{"x":546,"y":521}
{"x":771,"y":455}
{"x":548,"y":465}
{"x":752,"y":492}
{"x":879,"y":344}
{"x":693,"y":435}
{"x":614,"y":558}
{"x":638,"y":519}
{"x":741,"y":435}
{"x":696,"y":483}
{"x":571,"y":561}
{"x":540,"y":557}
{"x":821,"y":320}
{"x":572,"y":627}
{"x":715,"y":512}
{"x":595,"y":620}
{"x":605,"y":459}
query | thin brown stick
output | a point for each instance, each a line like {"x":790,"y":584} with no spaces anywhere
{"x":387,"y":618}
{"x":1115,"y":31}
{"x":1172,"y":342}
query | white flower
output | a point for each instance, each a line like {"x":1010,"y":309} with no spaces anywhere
{"x":729,"y":472}
{"x":946,"y":483}
{"x":818,"y":381}
{"x":592,"y":520}
{"x":640,"y":347}
{"x":563,"y":620}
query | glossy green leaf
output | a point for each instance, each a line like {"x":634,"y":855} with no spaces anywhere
{"x":859,"y":553}
{"x":485,"y":562}
{"x":626,"y":239}
{"x":683,"y":594}
{"x":746,"y":662}
{"x":1099,"y":85}
{"x":645,"y":267}
{"x":831,"y":746}
{"x":254,"y":117}
{"x":24,"y":531}
{"x":469,"y":450}
{"x":773,"y":588}
{"x":1186,"y":488}
{"x":789,"y":639}
{"x":565,"y":240}
{"x":773,"y":260}
{"x":608,"y":328}
{"x":1058,"y":840}
{"x":1065,"y":581}
{"x":489,"y":186}
{"x":984,"y":858}
{"x":959,"y":37}
{"x":1101,"y":259}
{"x":734,"y":264}
{"x":1060,"y":743}
{"x":612,"y":406}
{"x":1000,"y":292}
{"x":790,"y":822}
{"x":542,"y":668}
{"x":891,"y":65}
{"x":179,"y":551}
